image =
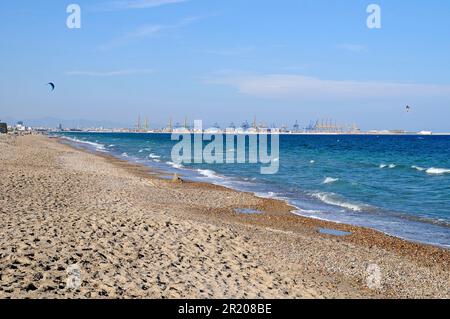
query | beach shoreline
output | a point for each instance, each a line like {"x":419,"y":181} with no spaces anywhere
{"x":354,"y":184}
{"x":288,"y":206}
{"x":275,"y":254}
{"x":284,"y":208}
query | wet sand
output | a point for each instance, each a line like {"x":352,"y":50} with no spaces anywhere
{"x":130,"y":234}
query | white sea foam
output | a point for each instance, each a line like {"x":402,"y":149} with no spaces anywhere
{"x":97,"y":146}
{"x":124,"y":154}
{"x":388,"y":166}
{"x":332,"y":199}
{"x":438,"y":171}
{"x":312,"y":161}
{"x":302,"y":212}
{"x":330,"y":180}
{"x":208,"y":173}
{"x":154,"y":156}
{"x":178,"y":166}
{"x":432,"y":170}
{"x":267,"y":194}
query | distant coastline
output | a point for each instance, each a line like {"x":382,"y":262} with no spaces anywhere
{"x":245,"y":128}
{"x":249,"y":133}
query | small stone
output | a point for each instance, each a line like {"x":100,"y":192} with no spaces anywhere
{"x":177,"y":179}
{"x":38,"y":276}
{"x":31,"y":287}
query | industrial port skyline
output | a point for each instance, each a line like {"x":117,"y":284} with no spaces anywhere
{"x":143,"y":125}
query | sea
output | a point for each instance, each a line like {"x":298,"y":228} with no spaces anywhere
{"x":399,"y":185}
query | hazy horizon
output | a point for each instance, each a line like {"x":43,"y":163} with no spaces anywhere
{"x":81,"y":123}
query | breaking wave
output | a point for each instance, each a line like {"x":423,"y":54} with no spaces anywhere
{"x":97,"y":146}
{"x":438,"y":171}
{"x":174,"y":165}
{"x":330,"y":180}
{"x":208,"y":173}
{"x":332,"y":199}
{"x":388,"y":166}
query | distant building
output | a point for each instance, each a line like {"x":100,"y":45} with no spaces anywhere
{"x":20,"y":127}
{"x":213,"y":130}
{"x":245,"y":126}
{"x":397,"y":132}
{"x":3,"y":128}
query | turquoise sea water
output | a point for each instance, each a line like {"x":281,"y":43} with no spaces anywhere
{"x":396,"y":184}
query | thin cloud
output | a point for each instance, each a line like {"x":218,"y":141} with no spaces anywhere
{"x":147,"y":31}
{"x":352,"y":47}
{"x":299,"y":87}
{"x":295,"y":68}
{"x":111,"y":73}
{"x":134,"y":4}
{"x":239,"y":51}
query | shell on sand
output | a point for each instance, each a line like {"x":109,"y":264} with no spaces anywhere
{"x":177,"y":179}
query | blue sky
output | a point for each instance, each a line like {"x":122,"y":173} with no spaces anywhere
{"x":224,"y":61}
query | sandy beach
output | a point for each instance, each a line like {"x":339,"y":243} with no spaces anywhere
{"x":129,"y":233}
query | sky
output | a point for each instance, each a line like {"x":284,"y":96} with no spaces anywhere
{"x":228,"y":61}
